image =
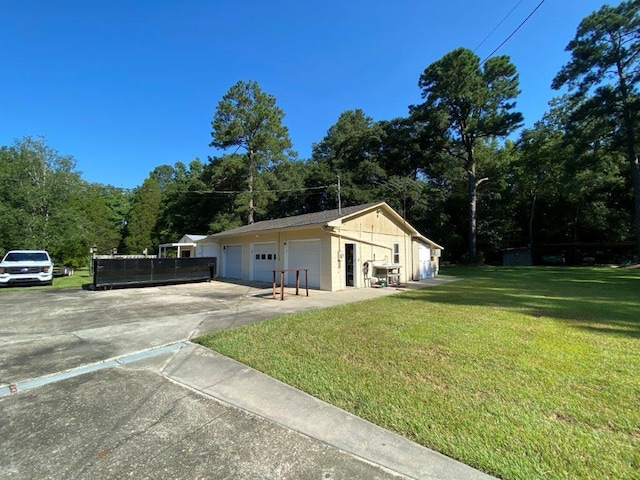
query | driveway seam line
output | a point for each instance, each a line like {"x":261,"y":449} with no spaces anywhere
{"x":23,"y":385}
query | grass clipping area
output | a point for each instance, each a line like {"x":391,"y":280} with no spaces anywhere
{"x":522,"y":373}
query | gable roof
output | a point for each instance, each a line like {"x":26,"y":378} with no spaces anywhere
{"x":191,"y":238}
{"x":305,"y":220}
{"x":321,"y":219}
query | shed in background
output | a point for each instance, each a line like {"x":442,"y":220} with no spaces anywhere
{"x":517,"y":257}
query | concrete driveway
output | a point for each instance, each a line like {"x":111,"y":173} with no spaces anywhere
{"x":48,"y":331}
{"x":106,"y":385}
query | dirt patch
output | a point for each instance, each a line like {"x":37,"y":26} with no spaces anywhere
{"x":563,"y":417}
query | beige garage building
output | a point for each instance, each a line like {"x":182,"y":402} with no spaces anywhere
{"x":353,"y":247}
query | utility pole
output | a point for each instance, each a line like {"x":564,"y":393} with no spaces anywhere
{"x":339,"y":199}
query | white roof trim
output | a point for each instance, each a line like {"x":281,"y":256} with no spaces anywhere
{"x":423,"y":239}
{"x":177,"y":244}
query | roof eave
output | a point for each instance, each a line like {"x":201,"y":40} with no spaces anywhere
{"x":216,"y":236}
{"x":424,"y":239}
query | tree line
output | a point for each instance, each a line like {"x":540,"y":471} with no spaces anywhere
{"x":459,"y":166}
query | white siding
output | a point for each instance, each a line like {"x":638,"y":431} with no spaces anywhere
{"x":208,"y":250}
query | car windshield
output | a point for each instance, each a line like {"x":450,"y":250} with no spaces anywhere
{"x":26,"y":257}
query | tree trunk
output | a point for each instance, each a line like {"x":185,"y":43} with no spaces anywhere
{"x":250,"y":187}
{"x":473,"y":233}
{"x":473,"y":204}
{"x":635,"y":177}
{"x":531,"y":215}
{"x":632,"y":155}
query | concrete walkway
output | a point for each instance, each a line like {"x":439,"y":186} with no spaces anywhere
{"x":236,"y":384}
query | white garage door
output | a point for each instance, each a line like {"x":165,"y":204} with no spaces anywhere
{"x":264,"y":261}
{"x":305,"y":254}
{"x":233,"y":261}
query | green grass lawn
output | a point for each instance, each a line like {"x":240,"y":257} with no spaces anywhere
{"x":523,"y":373}
{"x":77,"y":280}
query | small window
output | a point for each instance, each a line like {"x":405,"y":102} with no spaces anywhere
{"x":269,"y":257}
{"x":274,"y":256}
{"x":264,"y":256}
{"x":396,"y":253}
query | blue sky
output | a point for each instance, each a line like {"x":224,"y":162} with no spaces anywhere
{"x":125,"y":86}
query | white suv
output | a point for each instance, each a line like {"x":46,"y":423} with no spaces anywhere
{"x":26,"y":266}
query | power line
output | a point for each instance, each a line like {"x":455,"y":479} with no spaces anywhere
{"x":237,"y":192}
{"x":497,"y":26}
{"x":514,"y":32}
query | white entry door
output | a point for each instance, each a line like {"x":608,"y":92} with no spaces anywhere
{"x":305,"y":254}
{"x":424,"y":261}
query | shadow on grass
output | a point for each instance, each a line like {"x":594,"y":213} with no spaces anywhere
{"x":602,"y":300}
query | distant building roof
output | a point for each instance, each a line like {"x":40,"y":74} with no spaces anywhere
{"x":191,"y":238}
{"x":187,"y":240}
